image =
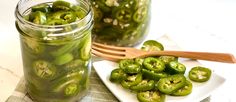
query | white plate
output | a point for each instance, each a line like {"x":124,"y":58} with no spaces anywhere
{"x":199,"y":92}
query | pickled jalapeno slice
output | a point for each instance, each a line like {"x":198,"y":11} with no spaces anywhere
{"x":123,"y":14}
{"x":63,"y":59}
{"x":132,"y":68}
{"x":68,"y":16}
{"x":38,"y":17}
{"x":41,"y":7}
{"x":86,"y":48}
{"x":153,"y":75}
{"x":154,"y":64}
{"x":199,"y":74}
{"x":44,"y":69}
{"x":61,"y":5}
{"x":168,"y":59}
{"x":125,"y":62}
{"x":117,"y":75}
{"x":175,"y":67}
{"x":151,"y":96}
{"x":152,"y":45}
{"x":185,"y":90}
{"x":139,"y":61}
{"x":171,"y":83}
{"x":131,"y":80}
{"x":144,"y":85}
{"x":33,"y":46}
{"x":140,"y":14}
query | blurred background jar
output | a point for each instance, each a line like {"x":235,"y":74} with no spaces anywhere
{"x":55,"y":41}
{"x":121,"y":22}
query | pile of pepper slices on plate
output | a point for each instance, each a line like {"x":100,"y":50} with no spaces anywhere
{"x":152,"y":78}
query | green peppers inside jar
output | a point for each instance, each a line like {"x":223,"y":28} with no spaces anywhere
{"x":55,"y":38}
{"x":121,"y":22}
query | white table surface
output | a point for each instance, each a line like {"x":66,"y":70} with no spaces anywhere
{"x":195,"y":25}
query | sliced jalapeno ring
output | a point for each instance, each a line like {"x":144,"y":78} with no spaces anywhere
{"x":77,"y":63}
{"x":125,"y":62}
{"x":117,"y":75}
{"x":85,"y":49}
{"x":154,"y":64}
{"x":61,"y":5}
{"x":151,"y":96}
{"x":141,"y":14}
{"x":168,"y":59}
{"x":41,"y":7}
{"x":144,"y":85}
{"x":63,"y":59}
{"x":123,"y":14}
{"x":68,"y":16}
{"x":103,"y":6}
{"x":131,"y":80}
{"x":175,"y":67}
{"x":38,"y":17}
{"x":153,"y":75}
{"x":44,"y":69}
{"x":171,"y":83}
{"x":132,"y":68}
{"x":199,"y":74}
{"x":185,"y":90}
{"x":152,"y":45}
{"x":33,"y":46}
{"x":139,"y":61}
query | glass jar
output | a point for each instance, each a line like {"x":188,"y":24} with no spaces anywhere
{"x":56,"y":58}
{"x":121,"y":22}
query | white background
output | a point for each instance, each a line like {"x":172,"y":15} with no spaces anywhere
{"x":197,"y":25}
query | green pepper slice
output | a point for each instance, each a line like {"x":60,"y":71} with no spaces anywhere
{"x":77,"y":63}
{"x":185,"y":90}
{"x":131,"y":80}
{"x":141,"y":14}
{"x":85,"y":49}
{"x":41,"y":7}
{"x":61,"y":5}
{"x":144,"y":85}
{"x":153,"y":75}
{"x":33,"y":46}
{"x":139,"y":61}
{"x":171,"y":83}
{"x":56,"y":22}
{"x":63,"y":59}
{"x":38,"y":17}
{"x":125,"y":62}
{"x":199,"y":74}
{"x":68,"y":16}
{"x":44,"y":69}
{"x":175,"y":67}
{"x":152,"y":45}
{"x":122,"y":13}
{"x":67,"y":85}
{"x":151,"y":96}
{"x":117,"y":75}
{"x":103,"y":6}
{"x":132,"y":68}
{"x":154,"y":64}
{"x":168,"y":59}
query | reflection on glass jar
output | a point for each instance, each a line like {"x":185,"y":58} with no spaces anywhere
{"x":121,"y":22}
{"x":55,"y":41}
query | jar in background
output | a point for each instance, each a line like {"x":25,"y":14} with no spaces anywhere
{"x":121,"y":22}
{"x":56,"y":55}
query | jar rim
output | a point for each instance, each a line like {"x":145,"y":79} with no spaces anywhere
{"x":88,"y":16}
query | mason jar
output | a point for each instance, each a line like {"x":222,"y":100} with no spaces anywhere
{"x":121,"y":22}
{"x":56,"y":56}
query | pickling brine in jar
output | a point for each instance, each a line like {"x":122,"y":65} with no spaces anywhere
{"x":121,"y":22}
{"x":55,"y":41}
